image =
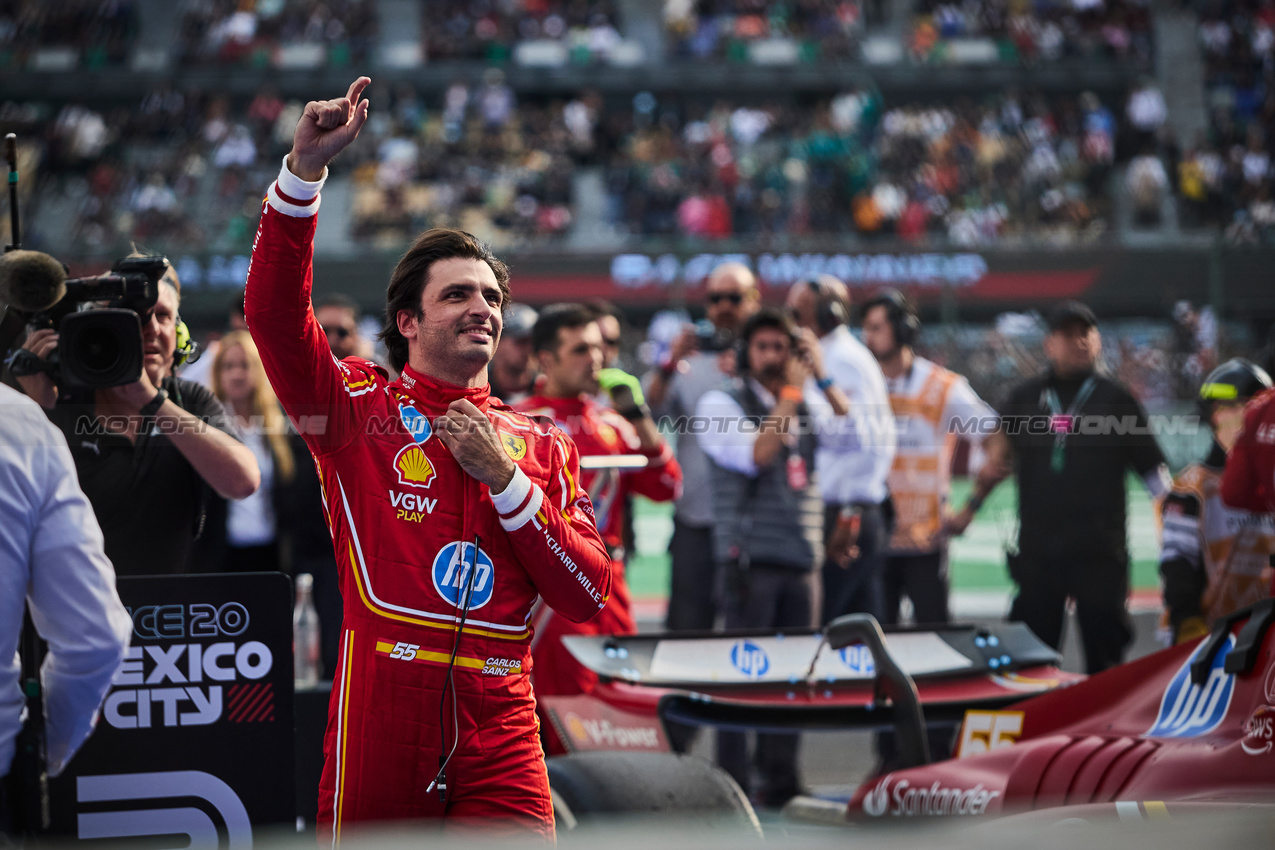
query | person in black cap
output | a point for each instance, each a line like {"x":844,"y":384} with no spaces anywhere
{"x":1074,"y":432}
{"x":511,"y":371}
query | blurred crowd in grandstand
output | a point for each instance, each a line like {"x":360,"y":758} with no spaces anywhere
{"x":1001,"y":166}
{"x":1037,"y":31}
{"x":180,"y":170}
{"x":1226,"y":177}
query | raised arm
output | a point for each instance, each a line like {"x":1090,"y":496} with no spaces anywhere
{"x":320,"y":394}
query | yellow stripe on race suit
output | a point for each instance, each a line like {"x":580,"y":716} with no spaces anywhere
{"x":342,"y":737}
{"x":569,"y":494}
{"x":416,"y":621}
{"x":412,"y":652}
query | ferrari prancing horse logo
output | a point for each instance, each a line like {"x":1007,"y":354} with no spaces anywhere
{"x":515,"y":447}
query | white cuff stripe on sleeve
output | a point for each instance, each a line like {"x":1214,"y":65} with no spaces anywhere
{"x":294,"y":187}
{"x":293,"y":210}
{"x":514,"y":494}
{"x":524,"y":516}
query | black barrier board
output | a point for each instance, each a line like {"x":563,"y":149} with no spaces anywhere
{"x":194,"y":745}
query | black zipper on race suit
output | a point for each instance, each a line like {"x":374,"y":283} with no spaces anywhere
{"x":449,"y":684}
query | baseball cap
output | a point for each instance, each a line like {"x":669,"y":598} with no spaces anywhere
{"x":1071,"y":313}
{"x":519,"y":320}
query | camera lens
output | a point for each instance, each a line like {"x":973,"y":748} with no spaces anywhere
{"x":98,"y":349}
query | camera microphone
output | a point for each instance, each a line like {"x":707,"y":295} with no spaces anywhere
{"x":31,"y":281}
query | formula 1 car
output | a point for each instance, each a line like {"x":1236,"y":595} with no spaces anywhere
{"x":1191,"y":727}
{"x":849,"y":677}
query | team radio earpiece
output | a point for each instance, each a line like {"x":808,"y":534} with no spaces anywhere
{"x":831,"y":310}
{"x":901,"y":315}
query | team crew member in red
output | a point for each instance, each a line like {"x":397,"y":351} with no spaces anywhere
{"x":569,"y":347}
{"x":449,"y":516}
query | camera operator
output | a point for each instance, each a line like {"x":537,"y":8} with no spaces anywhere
{"x":51,"y":556}
{"x":767,"y":511}
{"x":144,"y":451}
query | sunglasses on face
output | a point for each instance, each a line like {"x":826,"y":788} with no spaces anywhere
{"x":339,"y":332}
{"x":731,"y":297}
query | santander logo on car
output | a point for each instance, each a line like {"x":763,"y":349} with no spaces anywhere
{"x":901,"y":798}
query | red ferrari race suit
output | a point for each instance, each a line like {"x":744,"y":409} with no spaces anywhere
{"x":414,"y":534}
{"x":1249,"y":479}
{"x":596,"y":430}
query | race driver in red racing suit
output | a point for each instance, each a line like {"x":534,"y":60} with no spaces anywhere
{"x":449,"y":516}
{"x":568,"y":346}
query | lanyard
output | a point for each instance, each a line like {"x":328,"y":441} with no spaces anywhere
{"x":1061,"y":421}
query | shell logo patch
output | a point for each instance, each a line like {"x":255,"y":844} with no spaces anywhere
{"x":413,"y":468}
{"x":515,"y":447}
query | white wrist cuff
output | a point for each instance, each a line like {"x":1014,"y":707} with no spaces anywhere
{"x":294,"y":187}
{"x":511,"y":498}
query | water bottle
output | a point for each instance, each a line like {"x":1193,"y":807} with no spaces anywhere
{"x":305,"y":634}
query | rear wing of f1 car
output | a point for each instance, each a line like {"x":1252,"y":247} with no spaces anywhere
{"x":805,"y":680}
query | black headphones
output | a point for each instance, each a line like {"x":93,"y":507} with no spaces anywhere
{"x":831,"y":309}
{"x":900,"y":313}
{"x":766,"y":317}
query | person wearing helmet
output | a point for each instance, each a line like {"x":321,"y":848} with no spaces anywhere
{"x":1214,"y":558}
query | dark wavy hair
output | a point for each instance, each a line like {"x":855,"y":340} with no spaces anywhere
{"x":410,"y":276}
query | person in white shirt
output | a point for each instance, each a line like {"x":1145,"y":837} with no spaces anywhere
{"x":51,"y":557}
{"x":931,"y":404}
{"x":767,"y":512}
{"x":855,"y":453}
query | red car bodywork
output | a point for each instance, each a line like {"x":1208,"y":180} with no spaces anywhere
{"x":1145,"y":731}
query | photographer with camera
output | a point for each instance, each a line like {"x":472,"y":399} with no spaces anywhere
{"x":767,"y":510}
{"x":146,"y":450}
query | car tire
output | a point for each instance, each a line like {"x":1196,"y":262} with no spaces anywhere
{"x":591,"y":786}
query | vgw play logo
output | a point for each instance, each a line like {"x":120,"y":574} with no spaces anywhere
{"x":1189,"y":710}
{"x":749,"y":659}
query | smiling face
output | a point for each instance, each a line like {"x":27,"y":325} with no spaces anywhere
{"x":458,"y":327}
{"x":159,"y":335}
